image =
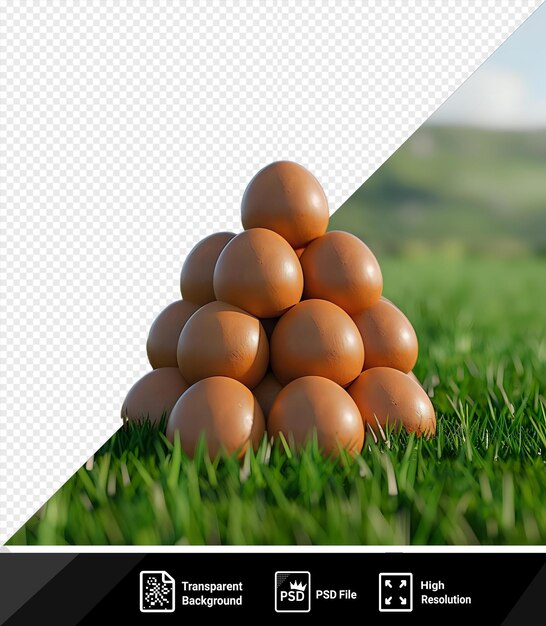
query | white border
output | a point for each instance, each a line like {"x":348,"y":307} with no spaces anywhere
{"x":284,"y":571}
{"x":539,"y":549}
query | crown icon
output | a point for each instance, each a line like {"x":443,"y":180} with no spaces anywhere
{"x":298,"y":586}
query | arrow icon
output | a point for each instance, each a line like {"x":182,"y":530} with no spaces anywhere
{"x":396,"y":592}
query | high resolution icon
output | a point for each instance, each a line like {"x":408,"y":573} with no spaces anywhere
{"x":395,"y":592}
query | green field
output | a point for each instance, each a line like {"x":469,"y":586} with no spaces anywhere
{"x":455,"y":190}
{"x":482,"y":330}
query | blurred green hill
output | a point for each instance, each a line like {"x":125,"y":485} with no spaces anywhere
{"x":455,"y":190}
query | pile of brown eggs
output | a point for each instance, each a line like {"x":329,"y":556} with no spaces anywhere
{"x":283,"y":329}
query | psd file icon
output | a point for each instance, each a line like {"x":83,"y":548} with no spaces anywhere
{"x":292,"y":592}
{"x":157,"y":592}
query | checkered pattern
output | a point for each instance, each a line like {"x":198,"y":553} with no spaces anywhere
{"x":130,"y":130}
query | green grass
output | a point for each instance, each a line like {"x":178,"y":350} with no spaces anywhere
{"x":481,"y":325}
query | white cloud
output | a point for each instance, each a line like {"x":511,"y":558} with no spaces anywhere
{"x":493,"y":98}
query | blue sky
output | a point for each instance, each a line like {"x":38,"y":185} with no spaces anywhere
{"x":509,"y":89}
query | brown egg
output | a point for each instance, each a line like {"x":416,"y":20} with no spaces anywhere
{"x":198,"y":269}
{"x":223,"y":340}
{"x":316,"y":338}
{"x":153,"y":395}
{"x":164,"y":333}
{"x":414,"y":377}
{"x":269,"y":324}
{"x":259,"y":272}
{"x":266,"y":392}
{"x":286,"y":198}
{"x":388,"y":336}
{"x":313,"y":403}
{"x":342,"y":269}
{"x":221,"y":409}
{"x":390,"y":395}
{"x":299,"y":252}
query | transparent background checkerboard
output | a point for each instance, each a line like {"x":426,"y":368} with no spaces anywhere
{"x":129,"y":132}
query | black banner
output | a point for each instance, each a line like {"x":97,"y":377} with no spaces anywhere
{"x":376,"y":588}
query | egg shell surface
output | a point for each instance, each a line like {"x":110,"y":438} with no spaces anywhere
{"x":164,"y":332}
{"x":224,"y":411}
{"x":196,"y":277}
{"x":269,"y":324}
{"x":266,"y":392}
{"x":259,"y":272}
{"x":414,"y":377}
{"x":341,"y":268}
{"x":286,"y":198}
{"x":315,"y":404}
{"x":223,"y":340}
{"x":153,"y":395}
{"x":316,"y":338}
{"x":388,"y":336}
{"x":385,"y":395}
